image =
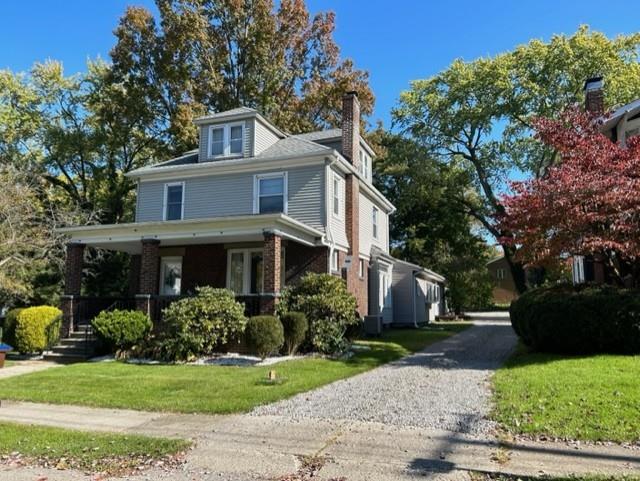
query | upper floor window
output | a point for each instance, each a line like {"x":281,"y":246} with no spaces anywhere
{"x":270,"y":193}
{"x":174,"y":201}
{"x":226,"y":140}
{"x":336,"y":195}
{"x":374,"y":222}
{"x":365,"y":165}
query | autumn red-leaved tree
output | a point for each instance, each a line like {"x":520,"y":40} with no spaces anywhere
{"x":588,"y":204}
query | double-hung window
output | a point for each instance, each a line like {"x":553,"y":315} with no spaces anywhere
{"x":334,"y":260}
{"x":337,"y":195}
{"x":226,"y":140}
{"x":174,"y":201}
{"x":374,"y":222}
{"x":245,"y":270}
{"x":270,"y":193}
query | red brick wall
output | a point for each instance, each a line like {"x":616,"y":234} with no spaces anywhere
{"x":300,"y":259}
{"x":204,"y":265}
{"x":73,"y":269}
{"x":149,"y":266}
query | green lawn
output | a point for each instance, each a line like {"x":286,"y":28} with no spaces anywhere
{"x":208,"y":389}
{"x":587,"y":398}
{"x":90,"y":451}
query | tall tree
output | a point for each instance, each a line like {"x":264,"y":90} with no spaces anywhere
{"x":479,"y":114}
{"x":588,"y":204}
{"x":427,"y":228}
{"x":212,"y":55}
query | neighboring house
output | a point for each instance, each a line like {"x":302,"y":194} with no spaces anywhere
{"x":622,"y":123}
{"x":252,"y":209}
{"x":504,"y":287}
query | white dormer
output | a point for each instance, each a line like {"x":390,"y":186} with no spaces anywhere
{"x":236,"y":133}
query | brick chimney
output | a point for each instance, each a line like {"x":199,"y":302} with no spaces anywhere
{"x":351,"y":151}
{"x":593,"y":95}
{"x":351,"y":128}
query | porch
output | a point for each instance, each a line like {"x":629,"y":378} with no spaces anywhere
{"x":254,"y":256}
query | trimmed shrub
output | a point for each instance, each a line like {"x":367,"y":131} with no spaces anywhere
{"x":265,"y":335}
{"x":578,"y":320}
{"x":121,"y":330}
{"x":295,"y":330}
{"x":37,"y":328}
{"x":9,"y":327}
{"x":196,"y":326}
{"x":329,"y":307}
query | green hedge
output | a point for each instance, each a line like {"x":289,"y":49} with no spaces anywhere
{"x":329,"y":307}
{"x":295,"y":330}
{"x":37,"y":328}
{"x":578,"y":320}
{"x":197,"y":326}
{"x":9,"y":328}
{"x":121,"y":330}
{"x":265,"y":335}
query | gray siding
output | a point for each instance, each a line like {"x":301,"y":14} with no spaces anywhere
{"x":263,"y":137}
{"x":204,"y":138}
{"x":366,"y":227}
{"x":227,"y":195}
{"x":403,"y":297}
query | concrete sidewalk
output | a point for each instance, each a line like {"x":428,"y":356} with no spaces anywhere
{"x":241,"y":447}
{"x":26,"y":367}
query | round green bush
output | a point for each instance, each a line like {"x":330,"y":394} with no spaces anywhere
{"x":329,"y":307}
{"x":197,"y":326}
{"x":578,"y":319}
{"x":295,"y":326}
{"x":121,"y":330}
{"x":9,"y":327}
{"x":37,"y":328}
{"x":265,"y":335}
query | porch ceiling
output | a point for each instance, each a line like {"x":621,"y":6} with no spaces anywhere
{"x":250,"y":228}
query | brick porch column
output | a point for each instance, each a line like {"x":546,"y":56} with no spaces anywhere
{"x":72,"y":285}
{"x":271,"y":272}
{"x":149,"y":275}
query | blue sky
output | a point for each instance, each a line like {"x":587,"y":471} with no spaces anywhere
{"x":395,"y":41}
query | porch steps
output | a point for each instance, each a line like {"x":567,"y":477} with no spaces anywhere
{"x":79,"y":346}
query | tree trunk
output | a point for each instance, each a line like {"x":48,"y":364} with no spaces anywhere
{"x":516,"y":268}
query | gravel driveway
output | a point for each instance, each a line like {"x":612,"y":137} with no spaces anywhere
{"x":443,"y":387}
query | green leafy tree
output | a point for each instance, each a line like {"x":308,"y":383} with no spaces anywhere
{"x":430,"y":226}
{"x":206,"y":55}
{"x":477,"y":115}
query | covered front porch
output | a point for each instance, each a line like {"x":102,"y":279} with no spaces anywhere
{"x":254,"y":256}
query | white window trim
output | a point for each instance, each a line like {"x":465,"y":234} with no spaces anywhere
{"x":361,"y":267}
{"x":339,"y":215}
{"x":375,"y":223}
{"x":164,"y":201}
{"x":226,"y":140}
{"x":246,"y":271}
{"x":285,"y":190}
{"x":335,"y":267}
{"x":163,"y":260}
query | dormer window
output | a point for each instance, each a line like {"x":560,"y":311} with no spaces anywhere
{"x":365,"y":165}
{"x":226,"y":140}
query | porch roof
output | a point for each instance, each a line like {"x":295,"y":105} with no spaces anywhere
{"x":246,"y":228}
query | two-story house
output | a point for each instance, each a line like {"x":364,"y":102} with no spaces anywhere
{"x":252,"y":209}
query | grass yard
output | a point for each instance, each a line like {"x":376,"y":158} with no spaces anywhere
{"x":587,"y":398}
{"x":96,"y":452}
{"x":208,"y":389}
